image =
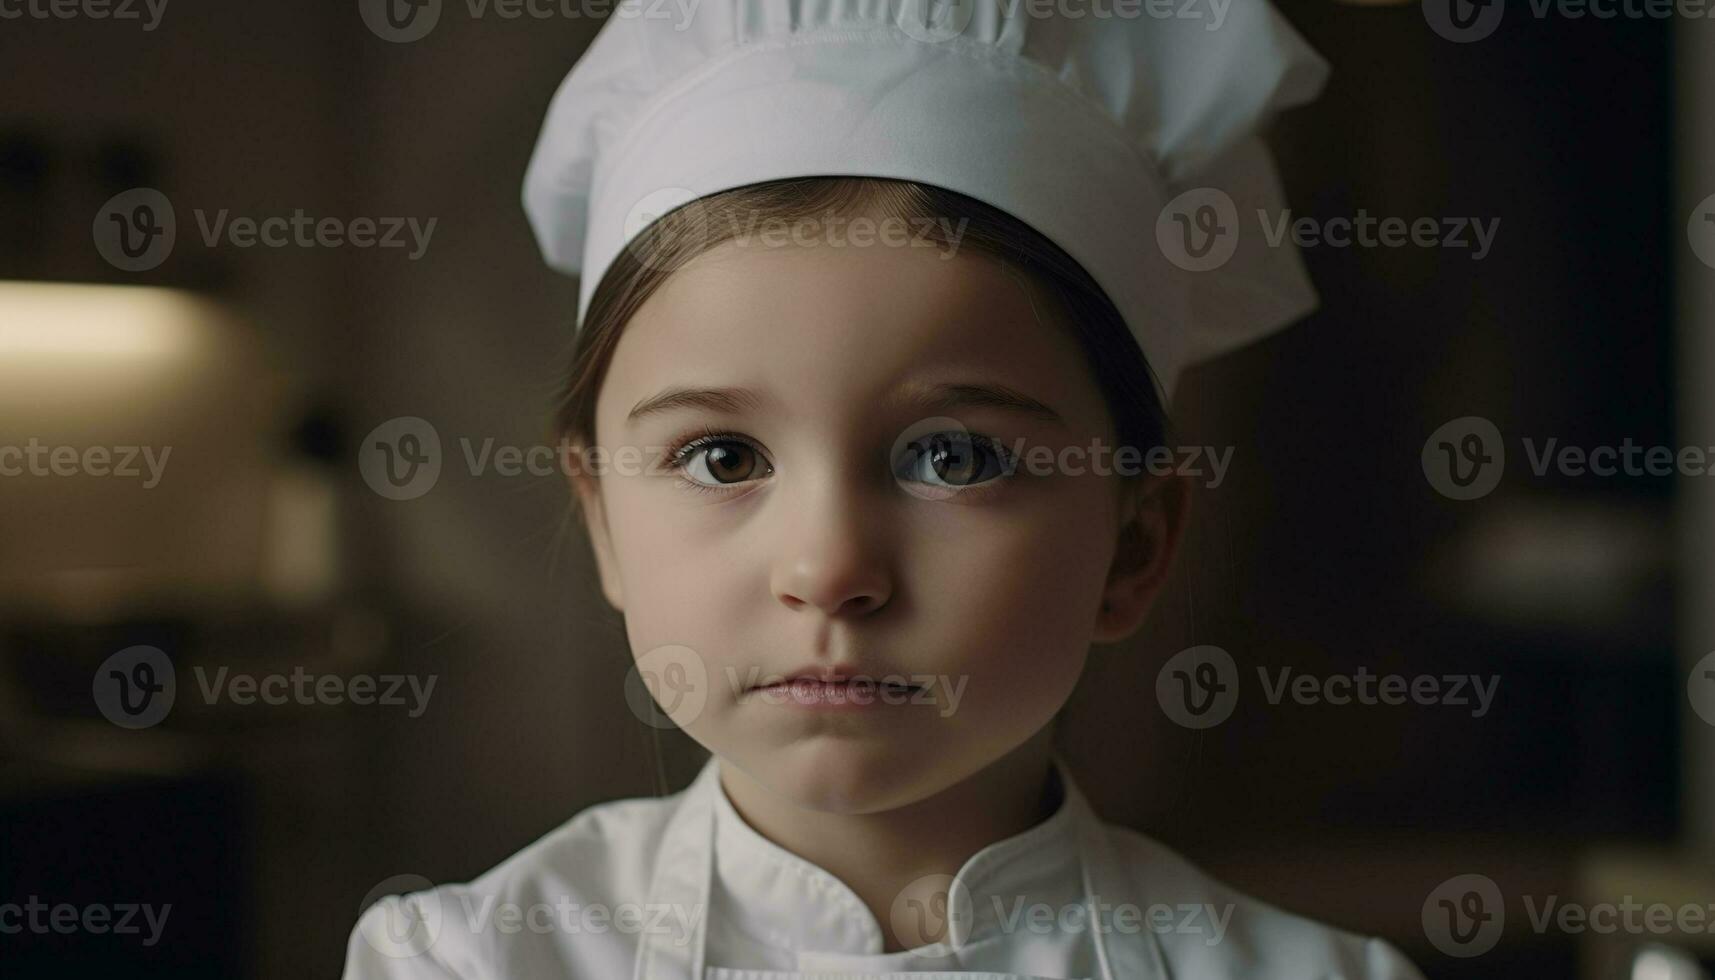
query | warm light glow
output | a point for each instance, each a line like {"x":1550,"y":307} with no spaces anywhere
{"x":87,"y":322}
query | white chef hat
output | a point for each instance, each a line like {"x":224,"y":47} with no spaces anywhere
{"x":1124,"y":133}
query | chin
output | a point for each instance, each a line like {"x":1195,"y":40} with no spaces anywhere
{"x":842,"y":775}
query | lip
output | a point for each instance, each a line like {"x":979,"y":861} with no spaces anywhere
{"x":838,"y":674}
{"x":834,"y":689}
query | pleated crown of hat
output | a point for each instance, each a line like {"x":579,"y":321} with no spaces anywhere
{"x":1129,"y":140}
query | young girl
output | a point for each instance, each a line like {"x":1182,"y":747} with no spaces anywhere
{"x":881,"y":307}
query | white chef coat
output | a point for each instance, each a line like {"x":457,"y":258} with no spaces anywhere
{"x":773,"y":910}
{"x":681,"y":888}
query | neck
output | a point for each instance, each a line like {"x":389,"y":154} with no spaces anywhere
{"x":878,"y":854}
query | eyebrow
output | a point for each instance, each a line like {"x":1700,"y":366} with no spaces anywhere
{"x":941,"y":397}
{"x":729,"y":400}
{"x":975,"y":395}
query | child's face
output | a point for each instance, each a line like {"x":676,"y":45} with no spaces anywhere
{"x":808,"y":533}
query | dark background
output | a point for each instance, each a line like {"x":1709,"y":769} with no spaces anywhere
{"x":1326,"y":549}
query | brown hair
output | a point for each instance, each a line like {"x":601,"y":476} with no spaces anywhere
{"x":1113,"y":354}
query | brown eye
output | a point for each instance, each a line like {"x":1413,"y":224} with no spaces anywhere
{"x":723,"y":463}
{"x":952,"y":460}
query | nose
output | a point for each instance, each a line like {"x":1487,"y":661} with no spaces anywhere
{"x":827,"y":562}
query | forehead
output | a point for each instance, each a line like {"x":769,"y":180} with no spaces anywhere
{"x":828,"y":323}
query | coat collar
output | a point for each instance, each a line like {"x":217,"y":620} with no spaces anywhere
{"x":685,"y":876}
{"x":781,"y":899}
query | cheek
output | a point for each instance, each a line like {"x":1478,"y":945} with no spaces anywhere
{"x":683,"y":608}
{"x":1013,"y":594}
{"x":680,"y":586}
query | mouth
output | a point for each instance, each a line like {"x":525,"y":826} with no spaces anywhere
{"x":838,"y":684}
{"x":835,"y":693}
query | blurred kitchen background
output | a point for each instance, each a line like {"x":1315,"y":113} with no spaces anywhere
{"x":262,"y":548}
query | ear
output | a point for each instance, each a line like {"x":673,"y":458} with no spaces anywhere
{"x":1153,"y":514}
{"x":586,"y":488}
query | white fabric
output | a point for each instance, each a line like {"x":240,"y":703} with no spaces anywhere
{"x":1083,"y":127}
{"x":673,"y":858}
{"x":773,"y":910}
